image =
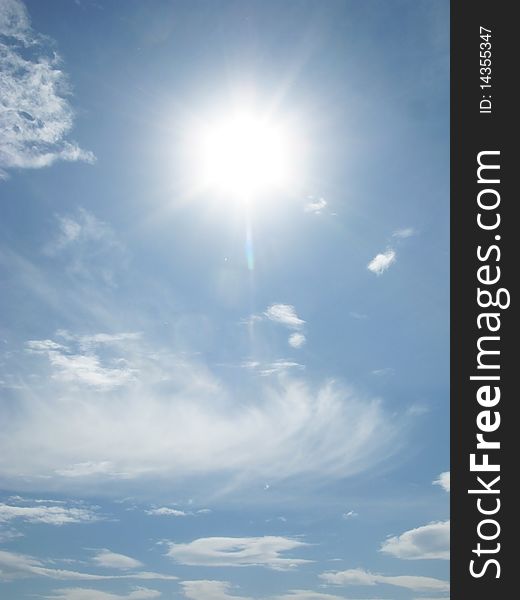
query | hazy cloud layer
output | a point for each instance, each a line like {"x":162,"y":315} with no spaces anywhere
{"x":109,"y":406}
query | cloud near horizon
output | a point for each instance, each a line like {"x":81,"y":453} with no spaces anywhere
{"x":362,"y":577}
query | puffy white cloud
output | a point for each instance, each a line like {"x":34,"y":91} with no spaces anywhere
{"x":285,"y":314}
{"x":139,"y":593}
{"x":443,"y":480}
{"x":428,"y":541}
{"x":111,"y":560}
{"x":266,"y":551}
{"x":204,"y":589}
{"x":361,"y":577}
{"x":51,"y":515}
{"x":296,"y":340}
{"x":381,"y":262}
{"x":315,"y":206}
{"x":36,"y":115}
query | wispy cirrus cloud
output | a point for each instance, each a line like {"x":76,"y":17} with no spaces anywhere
{"x":86,"y":247}
{"x":362,"y":577}
{"x":36,"y":115}
{"x":14,"y":565}
{"x":138,"y":593}
{"x":163,"y":511}
{"x":112,"y":560}
{"x":50,"y":515}
{"x":382,"y":262}
{"x":315,"y":206}
{"x":265,"y":551}
{"x":192,"y":424}
{"x":78,"y":362}
{"x":404,"y":233}
{"x":443,"y":481}
{"x":311,"y":595}
{"x":207,"y":589}
{"x":427,"y":542}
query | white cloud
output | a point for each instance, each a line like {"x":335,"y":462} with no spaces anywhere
{"x":351,"y":514}
{"x":13,"y":564}
{"x":81,"y":228}
{"x":86,"y":248}
{"x":285,"y":314}
{"x":307,"y":595}
{"x":428,"y":541}
{"x":166,"y":511}
{"x":296,"y":340}
{"x":383,"y":372}
{"x":381,"y":262}
{"x":51,"y":515}
{"x":179,"y":421}
{"x":279,"y":366}
{"x":444,"y":481}
{"x":36,"y":115}
{"x":138,"y":593}
{"x":361,"y":577}
{"x":404,"y":233}
{"x":266,"y":551}
{"x":81,"y":365}
{"x":204,"y":589}
{"x":315,"y":206}
{"x":112,"y":560}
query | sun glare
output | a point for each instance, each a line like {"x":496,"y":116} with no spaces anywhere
{"x":245,"y":154}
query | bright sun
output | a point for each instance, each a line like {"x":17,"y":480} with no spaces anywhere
{"x":245,"y":154}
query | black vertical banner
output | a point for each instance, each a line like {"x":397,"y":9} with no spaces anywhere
{"x":483,"y":270}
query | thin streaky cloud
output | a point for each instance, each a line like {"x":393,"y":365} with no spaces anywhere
{"x":362,"y":577}
{"x":265,"y":551}
{"x":139,"y":593}
{"x":315,"y":206}
{"x":50,"y":515}
{"x":14,"y":564}
{"x":404,"y":233}
{"x":113,"y":560}
{"x":168,"y":512}
{"x":208,"y":589}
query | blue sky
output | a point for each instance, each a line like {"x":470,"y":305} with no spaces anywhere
{"x":207,"y":398}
